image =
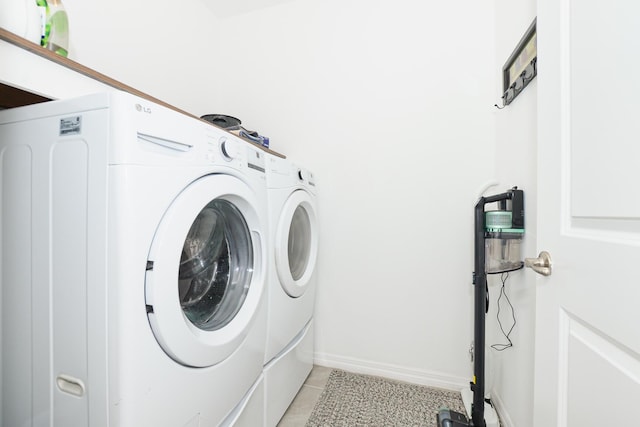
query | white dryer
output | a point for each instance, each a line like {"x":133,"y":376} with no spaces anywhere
{"x":293,"y":231}
{"x":132,"y":267}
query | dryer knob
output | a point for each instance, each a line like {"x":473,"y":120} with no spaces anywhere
{"x":229,"y":149}
{"x":301,"y":175}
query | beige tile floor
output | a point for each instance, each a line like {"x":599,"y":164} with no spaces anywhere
{"x":304,"y":402}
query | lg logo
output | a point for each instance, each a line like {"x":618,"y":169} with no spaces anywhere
{"x":143,"y":109}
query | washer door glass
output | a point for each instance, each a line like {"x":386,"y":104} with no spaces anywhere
{"x":215,"y":266}
{"x":296,"y":243}
{"x":299,"y":247}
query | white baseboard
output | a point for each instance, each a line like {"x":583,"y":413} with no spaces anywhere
{"x":498,"y":404}
{"x":414,"y":376}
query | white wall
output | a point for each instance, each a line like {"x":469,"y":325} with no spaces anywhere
{"x":161,"y":47}
{"x":391,"y":105}
{"x":516,"y":136}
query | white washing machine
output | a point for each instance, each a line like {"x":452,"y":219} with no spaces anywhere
{"x":293,"y":231}
{"x":133,"y":267}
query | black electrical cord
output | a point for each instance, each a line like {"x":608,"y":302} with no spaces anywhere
{"x":503,"y":291}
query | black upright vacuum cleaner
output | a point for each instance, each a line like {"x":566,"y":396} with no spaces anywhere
{"x":498,"y":236}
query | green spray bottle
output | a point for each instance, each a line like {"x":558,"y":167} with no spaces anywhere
{"x":55,"y":27}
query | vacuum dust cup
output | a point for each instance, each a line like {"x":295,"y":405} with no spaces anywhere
{"x":503,"y":243}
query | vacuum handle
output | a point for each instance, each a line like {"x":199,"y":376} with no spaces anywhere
{"x":541,"y":265}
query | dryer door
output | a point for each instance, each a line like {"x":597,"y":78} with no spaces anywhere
{"x":205,"y":279}
{"x":296,"y":243}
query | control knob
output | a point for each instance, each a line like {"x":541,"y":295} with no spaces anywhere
{"x":229,"y":148}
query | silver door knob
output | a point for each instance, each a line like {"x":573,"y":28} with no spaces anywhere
{"x":541,"y":265}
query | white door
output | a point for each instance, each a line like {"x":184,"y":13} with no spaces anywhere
{"x":588,"y":310}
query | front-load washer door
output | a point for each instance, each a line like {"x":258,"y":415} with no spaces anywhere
{"x":204,"y":278}
{"x":296,"y":243}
